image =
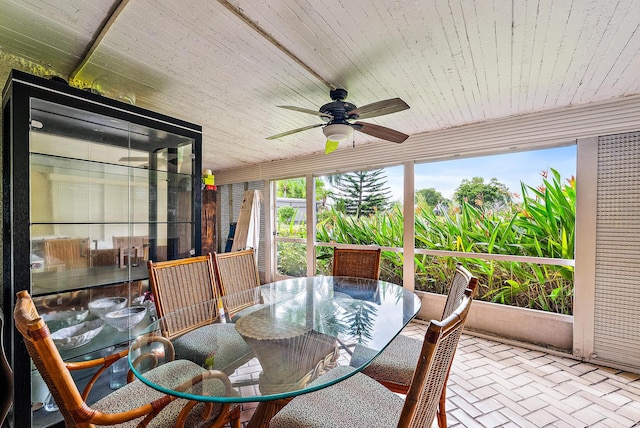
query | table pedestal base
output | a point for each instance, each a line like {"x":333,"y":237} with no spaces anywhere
{"x":265,"y":411}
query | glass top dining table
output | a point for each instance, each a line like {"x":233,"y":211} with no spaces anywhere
{"x":296,"y":330}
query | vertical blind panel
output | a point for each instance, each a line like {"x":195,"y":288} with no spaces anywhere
{"x":223,"y":212}
{"x":259,"y":185}
{"x":617,"y":285}
{"x":230,"y":197}
{"x":237,"y":190}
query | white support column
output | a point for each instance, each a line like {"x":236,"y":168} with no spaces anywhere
{"x":585,"y":248}
{"x":269,"y":237}
{"x":408,"y":271}
{"x":311,"y":224}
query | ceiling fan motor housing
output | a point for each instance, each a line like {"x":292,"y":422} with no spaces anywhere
{"x":338,"y":94}
{"x":339,"y":109}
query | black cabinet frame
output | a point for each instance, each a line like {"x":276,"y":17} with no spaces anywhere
{"x":16,"y":245}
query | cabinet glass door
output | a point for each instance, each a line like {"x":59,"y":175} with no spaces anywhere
{"x":106,"y":195}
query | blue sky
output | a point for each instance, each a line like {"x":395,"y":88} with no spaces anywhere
{"x":509,"y":169}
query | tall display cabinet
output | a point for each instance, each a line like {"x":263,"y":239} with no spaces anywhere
{"x":92,"y":189}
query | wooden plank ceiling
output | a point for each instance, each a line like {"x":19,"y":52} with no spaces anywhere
{"x":226,"y":64}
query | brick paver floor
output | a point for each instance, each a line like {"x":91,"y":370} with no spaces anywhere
{"x":497,"y":385}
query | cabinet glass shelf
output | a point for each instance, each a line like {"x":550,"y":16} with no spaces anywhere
{"x":70,"y":280}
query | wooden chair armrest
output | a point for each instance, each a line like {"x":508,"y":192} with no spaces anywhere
{"x":150,"y":358}
{"x":208,"y":408}
{"x":206,"y":414}
{"x":209,"y":374}
{"x":151,"y":338}
{"x":103,"y":362}
{"x":97,"y":362}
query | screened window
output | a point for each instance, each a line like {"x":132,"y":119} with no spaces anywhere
{"x":517,"y":211}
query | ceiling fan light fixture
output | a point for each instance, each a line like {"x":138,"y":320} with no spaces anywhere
{"x":338,"y":132}
{"x":330,"y":146}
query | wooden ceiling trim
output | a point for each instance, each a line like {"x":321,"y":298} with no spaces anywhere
{"x":237,"y":12}
{"x":100,"y":34}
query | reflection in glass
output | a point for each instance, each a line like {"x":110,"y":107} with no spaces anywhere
{"x":106,"y":195}
{"x":298,"y":329}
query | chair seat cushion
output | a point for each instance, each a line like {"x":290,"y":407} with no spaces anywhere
{"x":357,"y":402}
{"x":198,"y":344}
{"x":137,"y":394}
{"x":396,"y":364}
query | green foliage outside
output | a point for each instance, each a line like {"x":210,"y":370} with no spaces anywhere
{"x":292,"y":188}
{"x":292,"y":259}
{"x":430,"y":198}
{"x":542,"y":225}
{"x":296,"y":188}
{"x":478,"y":193}
{"x":361,"y":193}
{"x":286,"y":214}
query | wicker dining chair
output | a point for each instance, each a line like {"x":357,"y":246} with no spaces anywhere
{"x":395,"y":366}
{"x":188,"y":287}
{"x":67,"y":253}
{"x":361,"y":402}
{"x":237,"y":274}
{"x":129,"y":406}
{"x":362,"y":263}
{"x":131,"y":250}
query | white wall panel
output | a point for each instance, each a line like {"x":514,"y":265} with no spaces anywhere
{"x":617,"y":290}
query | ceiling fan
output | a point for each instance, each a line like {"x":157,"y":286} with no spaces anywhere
{"x":161,"y":156}
{"x":143,"y":161}
{"x":341,"y":118}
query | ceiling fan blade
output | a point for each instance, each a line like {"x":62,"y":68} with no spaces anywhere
{"x":134,"y":159}
{"x":306,"y":110}
{"x":380,"y":132}
{"x":161,"y":156}
{"x":379,"y":108}
{"x":293,"y":131}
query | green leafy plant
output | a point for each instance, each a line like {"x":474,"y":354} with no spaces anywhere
{"x":286,"y":214}
{"x":208,"y":362}
{"x":292,"y":259}
{"x":542,"y":225}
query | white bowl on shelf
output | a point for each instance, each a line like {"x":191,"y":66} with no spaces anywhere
{"x":127,"y":318}
{"x":77,"y":335}
{"x":62,"y":319}
{"x":101,"y":307}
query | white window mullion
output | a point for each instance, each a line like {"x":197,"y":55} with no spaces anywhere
{"x":408,"y":270}
{"x":311,"y":224}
